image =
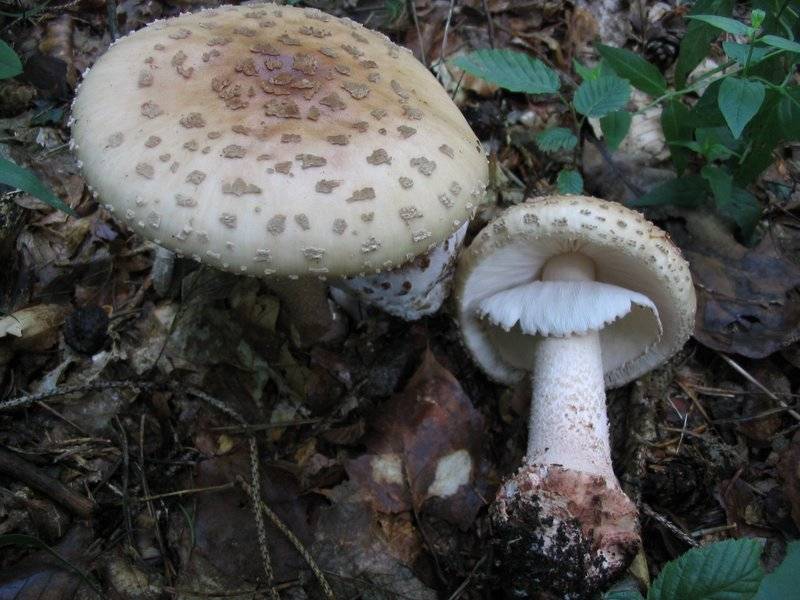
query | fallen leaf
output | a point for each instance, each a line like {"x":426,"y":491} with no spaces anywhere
{"x":789,"y":471}
{"x":748,"y":299}
{"x":424,"y":450}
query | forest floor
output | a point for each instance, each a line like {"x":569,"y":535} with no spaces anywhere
{"x":141,"y":489}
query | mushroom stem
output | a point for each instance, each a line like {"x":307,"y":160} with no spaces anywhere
{"x":568,"y":422}
{"x":313,"y":315}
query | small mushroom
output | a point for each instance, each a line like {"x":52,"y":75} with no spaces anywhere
{"x":583,"y":295}
{"x":307,"y":149}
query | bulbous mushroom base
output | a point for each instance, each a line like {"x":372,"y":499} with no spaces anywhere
{"x":563,"y":531}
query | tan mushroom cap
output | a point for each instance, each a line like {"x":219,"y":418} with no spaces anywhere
{"x":265,"y":139}
{"x":627,"y":250}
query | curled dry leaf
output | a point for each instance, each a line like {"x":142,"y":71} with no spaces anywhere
{"x":34,"y":328}
{"x":424,"y":450}
{"x":747,"y":298}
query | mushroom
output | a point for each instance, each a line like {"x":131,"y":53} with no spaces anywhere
{"x":584,"y":295}
{"x":284,"y":143}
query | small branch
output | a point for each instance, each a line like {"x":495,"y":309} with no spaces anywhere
{"x":739,"y":369}
{"x":489,"y":22}
{"x":21,"y":470}
{"x":65,"y":390}
{"x":298,"y":545}
{"x":669,"y":525}
{"x":424,"y":57}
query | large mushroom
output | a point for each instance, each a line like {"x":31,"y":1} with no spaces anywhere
{"x":583,"y":295}
{"x":284,"y":143}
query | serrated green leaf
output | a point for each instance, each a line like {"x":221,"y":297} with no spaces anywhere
{"x":696,"y":43}
{"x":677,"y":127}
{"x":724,"y":23}
{"x":635,"y":69}
{"x":739,"y":52}
{"x":615,"y":127}
{"x":623,"y":590}
{"x":604,"y":95}
{"x":739,"y":101}
{"x":23,"y":179}
{"x":782,"y":582}
{"x":555,"y":139}
{"x":569,"y":182}
{"x":688,"y":191}
{"x":514,"y":71}
{"x":781,"y":43}
{"x":10,"y":65}
{"x":727,"y":570}
{"x":586,"y":73}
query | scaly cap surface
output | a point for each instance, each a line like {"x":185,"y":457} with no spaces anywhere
{"x":276,"y":140}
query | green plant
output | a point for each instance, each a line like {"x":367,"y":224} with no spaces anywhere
{"x":602,"y":94}
{"x":11,"y":174}
{"x":722,"y":127}
{"x":728,"y":570}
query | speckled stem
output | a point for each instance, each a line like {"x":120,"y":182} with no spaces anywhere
{"x":568,"y":422}
{"x":415,"y":290}
{"x":312,"y":314}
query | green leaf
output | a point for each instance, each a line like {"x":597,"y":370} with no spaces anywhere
{"x":782,"y":43}
{"x":757,"y":18}
{"x":602,"y":96}
{"x":623,"y":590}
{"x":739,"y":101}
{"x":724,"y":23}
{"x":677,"y":127}
{"x":739,"y":52}
{"x":555,"y":139}
{"x":586,"y":73}
{"x":764,"y":134}
{"x":727,"y":570}
{"x":9,"y":61}
{"x":696,"y":43}
{"x":635,"y":69}
{"x":688,"y":191}
{"x":514,"y":71}
{"x":720,"y":180}
{"x":789,"y":114}
{"x":782,"y":582}
{"x":23,"y":179}
{"x":615,"y":127}
{"x":706,"y":112}
{"x":569,"y":182}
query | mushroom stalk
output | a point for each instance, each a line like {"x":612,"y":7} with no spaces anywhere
{"x":568,"y":422}
{"x":313,"y":315}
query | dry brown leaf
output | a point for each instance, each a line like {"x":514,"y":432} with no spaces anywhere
{"x":425,"y":449}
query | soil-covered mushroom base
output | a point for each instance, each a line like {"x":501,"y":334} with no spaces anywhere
{"x":562,"y":530}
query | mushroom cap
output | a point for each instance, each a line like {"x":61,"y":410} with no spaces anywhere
{"x":629,"y":254}
{"x":276,"y":140}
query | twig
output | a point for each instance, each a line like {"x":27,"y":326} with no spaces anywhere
{"x":20,"y":469}
{"x":674,"y":529}
{"x":265,"y":426}
{"x":739,"y":369}
{"x":126,"y":472}
{"x":95,"y":386}
{"x":460,"y":589}
{"x":255,"y":495}
{"x":111,"y":14}
{"x":446,"y":32}
{"x":601,"y":147}
{"x":212,"y":488}
{"x":424,"y":57}
{"x":489,"y":22}
{"x":146,"y":489}
{"x":298,"y":545}
{"x":711,"y":530}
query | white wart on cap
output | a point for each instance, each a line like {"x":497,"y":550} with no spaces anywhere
{"x":276,"y":140}
{"x":641,"y":301}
